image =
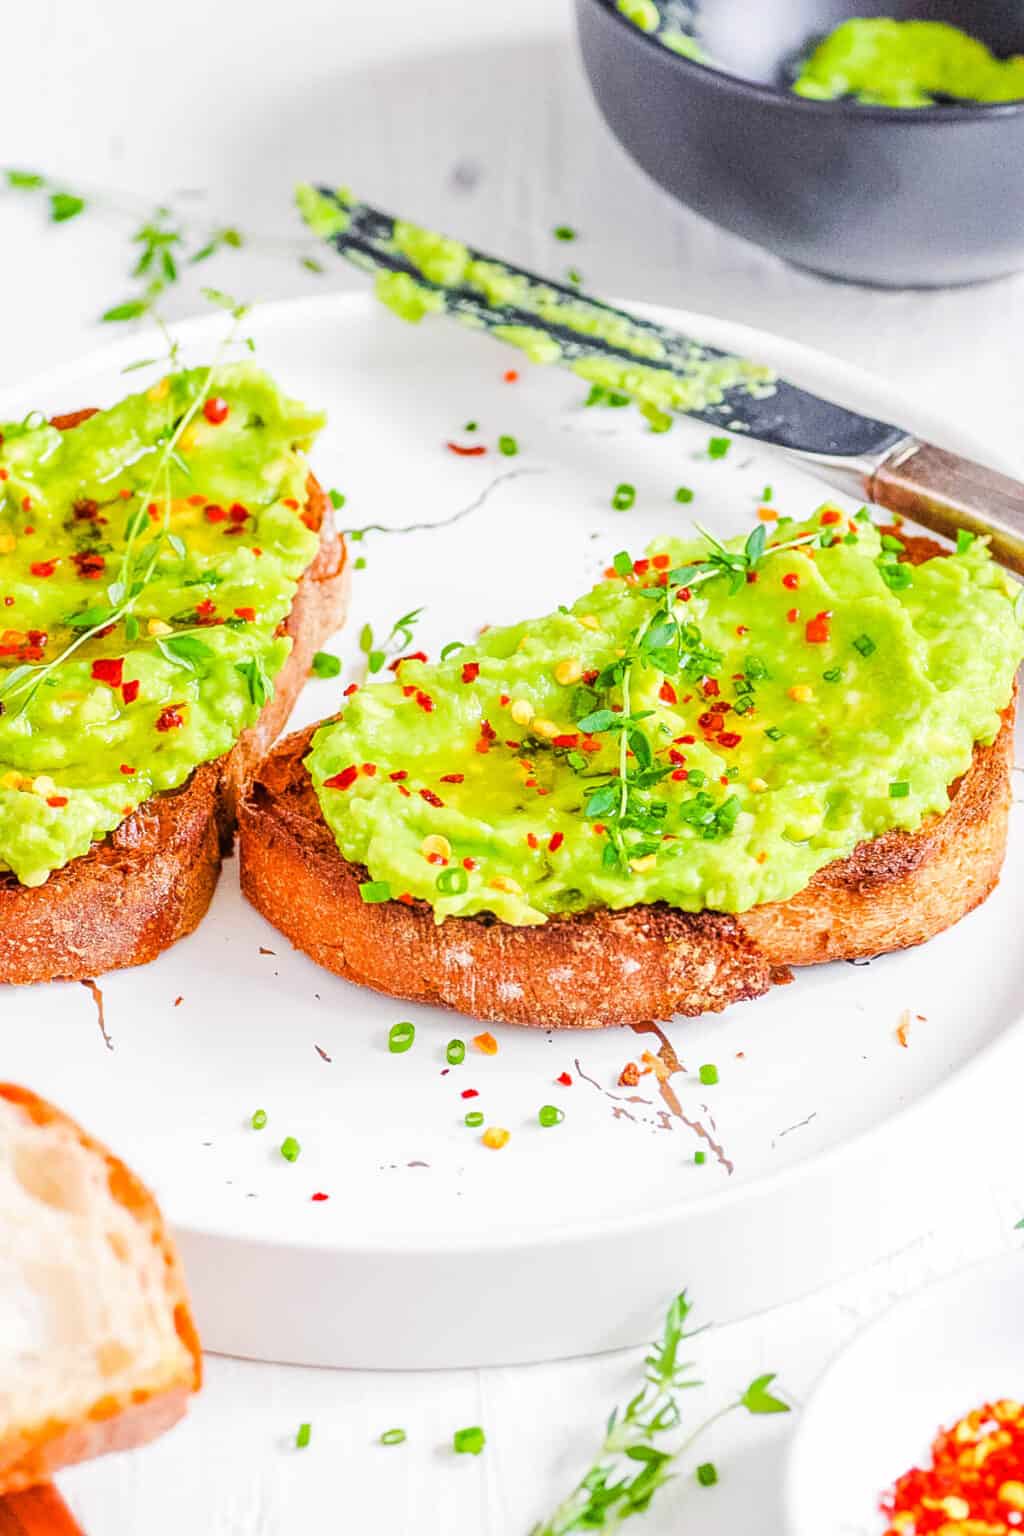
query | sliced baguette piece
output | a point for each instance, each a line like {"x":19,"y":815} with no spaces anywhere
{"x":645,"y":963}
{"x":150,"y":881}
{"x":98,"y":1351}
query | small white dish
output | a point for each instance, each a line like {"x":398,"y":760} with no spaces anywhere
{"x":925,"y":1363}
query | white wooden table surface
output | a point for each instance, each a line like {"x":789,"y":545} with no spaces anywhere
{"x":475,"y":117}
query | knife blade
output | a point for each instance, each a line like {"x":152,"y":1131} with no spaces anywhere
{"x":421,"y":273}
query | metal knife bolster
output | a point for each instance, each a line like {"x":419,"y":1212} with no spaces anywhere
{"x":938,"y":489}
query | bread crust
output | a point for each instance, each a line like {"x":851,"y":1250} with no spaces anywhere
{"x":151,"y":880}
{"x":645,"y":963}
{"x":33,"y":1453}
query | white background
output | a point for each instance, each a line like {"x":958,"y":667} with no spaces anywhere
{"x":474,"y":117}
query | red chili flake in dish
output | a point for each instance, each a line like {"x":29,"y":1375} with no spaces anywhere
{"x":393,"y":666}
{"x":238,"y":513}
{"x":466,"y":452}
{"x":791,"y":581}
{"x":469,"y":863}
{"x":27,"y":531}
{"x":661,"y":562}
{"x":291,"y":503}
{"x":470,"y":671}
{"x":974,"y":1482}
{"x":130,"y":691}
{"x":569,"y":740}
{"x":215,"y":410}
{"x":89,"y":565}
{"x":425,"y":702}
{"x":453,"y":778}
{"x":399,"y":773}
{"x":170,"y":718}
{"x":729,"y":739}
{"x":686,"y":741}
{"x":589,"y":677}
{"x":215,"y":514}
{"x":564,"y":1079}
{"x":470,"y":1093}
{"x":207,"y":608}
{"x":4,"y":475}
{"x":679,"y":758}
{"x":126,"y":770}
{"x":43,"y":567}
{"x":406,"y":792}
{"x":683,"y":595}
{"x":680,"y":774}
{"x":487,"y":730}
{"x":555,"y":841}
{"x":641,"y":567}
{"x":708,"y":721}
{"x":343,"y":780}
{"x":350,"y":690}
{"x":370,"y":769}
{"x":668,"y":693}
{"x":319,"y":1195}
{"x":431,"y":799}
{"x":831,"y":516}
{"x":248,"y":614}
{"x":709,"y":688}
{"x":792,"y":615}
{"x":26,"y":506}
{"x":196,"y":500}
{"x":108,"y":669}
{"x":531,"y":840}
{"x":407,"y":899}
{"x":57,"y":801}
{"x":511,"y":376}
{"x":751,"y":578}
{"x":818,"y":629}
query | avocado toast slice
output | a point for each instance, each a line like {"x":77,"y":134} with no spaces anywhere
{"x":811,"y":763}
{"x":167,"y":569}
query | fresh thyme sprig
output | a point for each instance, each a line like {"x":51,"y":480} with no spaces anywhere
{"x":631,"y":1466}
{"x":138,"y":563}
{"x":163,"y":243}
{"x":666,"y":643}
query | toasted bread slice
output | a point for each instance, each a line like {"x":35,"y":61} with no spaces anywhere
{"x":151,"y":880}
{"x":99,"y":1349}
{"x":617,"y":967}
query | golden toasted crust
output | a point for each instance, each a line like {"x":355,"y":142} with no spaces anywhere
{"x":151,"y":880}
{"x":604,"y":967}
{"x":30,"y":1455}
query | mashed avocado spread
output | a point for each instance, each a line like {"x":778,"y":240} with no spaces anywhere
{"x":707,"y":727}
{"x":146,"y":562}
{"x":907,"y":64}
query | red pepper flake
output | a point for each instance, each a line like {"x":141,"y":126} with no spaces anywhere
{"x":569,"y":740}
{"x":196,"y":500}
{"x":678,"y":758}
{"x":26,"y":505}
{"x":564,"y":1079}
{"x":130,"y":691}
{"x":531,"y":840}
{"x":791,"y":581}
{"x":126,"y":770}
{"x":207,"y":608}
{"x":4,"y":475}
{"x":598,"y":828}
{"x":248,"y":614}
{"x":43,"y":567}
{"x":431,"y":799}
{"x":729,"y":739}
{"x":708,"y":721}
{"x":343,"y":780}
{"x":751,"y":578}
{"x":831,"y":516}
{"x":238,"y":513}
{"x":511,"y":376}
{"x":109,"y":669}
{"x":555,"y":841}
{"x":425,"y":702}
{"x":469,"y":864}
{"x":792,"y":615}
{"x":215,"y":514}
{"x":153,"y":511}
{"x":215,"y":410}
{"x":28,"y":530}
{"x":400,"y":773}
{"x":370,"y":769}
{"x":470,"y":1093}
{"x":668,"y":693}
{"x":290,"y":503}
{"x":741,"y":629}
{"x":470,"y":671}
{"x":350,"y":690}
{"x":125,"y":494}
{"x":453,"y":778}
{"x":466,"y":452}
{"x":57,"y":801}
{"x":89,"y":564}
{"x":680,"y":774}
{"x":406,"y":898}
{"x":170,"y":718}
{"x":589,"y":677}
{"x":973,"y":1482}
{"x":393,"y":666}
{"x":661,"y":562}
{"x":683,"y":595}
{"x":319,"y":1195}
{"x":709,"y":688}
{"x":406,"y":792}
{"x":818,"y":629}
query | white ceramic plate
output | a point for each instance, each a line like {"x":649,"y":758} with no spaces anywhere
{"x":929,"y":1360}
{"x":824,"y":1138}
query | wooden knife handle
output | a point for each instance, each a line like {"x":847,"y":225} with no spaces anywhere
{"x":37,"y":1512}
{"x":944,"y":492}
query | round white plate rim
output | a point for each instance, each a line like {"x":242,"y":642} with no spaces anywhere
{"x":794,"y":1480}
{"x":729,"y":335}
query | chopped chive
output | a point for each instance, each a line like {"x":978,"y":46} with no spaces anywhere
{"x":470,"y":426}
{"x":337,"y":499}
{"x":833,"y":675}
{"x":325,"y":665}
{"x":392,"y":1437}
{"x":574,"y":276}
{"x":356,"y":535}
{"x":474,"y":1117}
{"x":964,"y":540}
{"x":863,"y":516}
{"x":508,"y":446}
{"x":773,"y":733}
{"x":302,"y":1438}
{"x":564,"y":232}
{"x":718,"y":447}
{"x":259,"y":1119}
{"x":624,"y":497}
{"x":889,"y":542}
{"x":766,"y":494}
{"x":709,"y":1074}
{"x":373,"y":891}
{"x":707,"y":1474}
{"x":900,"y":790}
{"x":850,"y":538}
{"x":700,"y":1157}
{"x":64,"y":206}
{"x":451,"y":648}
{"x":469,"y":1442}
{"x":360,"y":563}
{"x":550,"y":1114}
{"x":865,"y":645}
{"x":452,"y":882}
{"x":684,"y":495}
{"x":697,"y":777}
{"x":623,"y":564}
{"x":455,"y":1052}
{"x":401,"y":1037}
{"x":290,"y":1149}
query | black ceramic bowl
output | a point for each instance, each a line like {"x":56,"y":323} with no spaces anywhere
{"x":920,"y":197}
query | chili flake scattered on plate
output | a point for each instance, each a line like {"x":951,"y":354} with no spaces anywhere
{"x":975,"y":1481}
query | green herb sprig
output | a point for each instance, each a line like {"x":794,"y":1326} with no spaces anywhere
{"x":632,"y":1463}
{"x":398,"y":638}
